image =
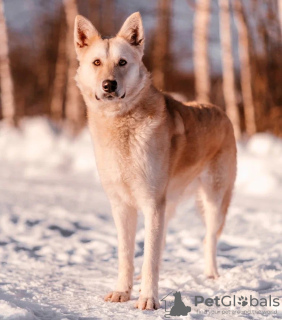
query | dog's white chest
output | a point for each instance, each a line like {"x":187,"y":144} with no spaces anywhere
{"x":129,"y":161}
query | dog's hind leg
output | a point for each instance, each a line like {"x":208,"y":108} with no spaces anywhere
{"x":213,"y":198}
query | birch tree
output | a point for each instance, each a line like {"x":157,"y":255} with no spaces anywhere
{"x":280,"y":14}
{"x":108,"y":14}
{"x":245,"y":66}
{"x":161,"y":44}
{"x":95,"y":14}
{"x":6,"y":81}
{"x":73,"y":106}
{"x":57,"y":98}
{"x":229,"y":89}
{"x":201,"y":59}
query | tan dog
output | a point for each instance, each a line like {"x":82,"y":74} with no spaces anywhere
{"x":149,"y":148}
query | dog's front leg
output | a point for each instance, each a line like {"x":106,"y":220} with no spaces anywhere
{"x":154,"y":227}
{"x":125,"y":218}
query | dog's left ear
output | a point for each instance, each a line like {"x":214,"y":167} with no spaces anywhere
{"x":132,"y":31}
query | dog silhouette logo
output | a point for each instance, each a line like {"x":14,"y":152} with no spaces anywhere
{"x":179,"y":308}
{"x":176,"y":308}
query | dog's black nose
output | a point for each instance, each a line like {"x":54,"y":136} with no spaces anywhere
{"x":109,"y":85}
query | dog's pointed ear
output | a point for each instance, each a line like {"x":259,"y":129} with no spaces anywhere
{"x":132,"y":31}
{"x":84,"y":31}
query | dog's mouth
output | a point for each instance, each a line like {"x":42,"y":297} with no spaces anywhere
{"x":110,"y":97}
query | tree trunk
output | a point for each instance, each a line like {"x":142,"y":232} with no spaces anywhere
{"x":95,"y":13}
{"x":280,"y":14}
{"x":201,"y":59}
{"x":229,"y":89}
{"x":73,"y":110}
{"x":6,"y":84}
{"x":108,"y":17}
{"x":57,"y":99}
{"x":161,"y":44}
{"x":246,"y":78}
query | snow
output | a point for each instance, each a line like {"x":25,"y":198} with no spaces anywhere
{"x":58,"y":247}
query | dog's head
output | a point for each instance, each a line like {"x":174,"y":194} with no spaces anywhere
{"x":111,"y":70}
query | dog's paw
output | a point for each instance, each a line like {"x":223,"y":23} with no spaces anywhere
{"x":117,"y":296}
{"x":147,"y":303}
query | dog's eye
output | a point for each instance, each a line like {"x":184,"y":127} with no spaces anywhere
{"x":122,"y":62}
{"x":97,"y":62}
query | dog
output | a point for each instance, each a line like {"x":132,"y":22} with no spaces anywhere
{"x":150,"y":150}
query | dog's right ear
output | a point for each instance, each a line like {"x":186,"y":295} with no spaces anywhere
{"x":84,"y":31}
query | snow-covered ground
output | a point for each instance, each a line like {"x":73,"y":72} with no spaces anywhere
{"x":58,"y":247}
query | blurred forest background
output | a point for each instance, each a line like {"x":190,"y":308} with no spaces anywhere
{"x":225,"y":52}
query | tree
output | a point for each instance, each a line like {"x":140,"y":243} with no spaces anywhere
{"x":57,"y":99}
{"x":229,"y":89}
{"x":95,"y":13}
{"x":161,"y":44}
{"x":108,"y":14}
{"x":245,"y":67}
{"x":6,"y":84}
{"x":73,"y":110}
{"x":280,"y":14}
{"x":201,"y":59}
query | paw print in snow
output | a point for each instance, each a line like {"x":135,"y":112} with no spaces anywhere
{"x":243,"y":301}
